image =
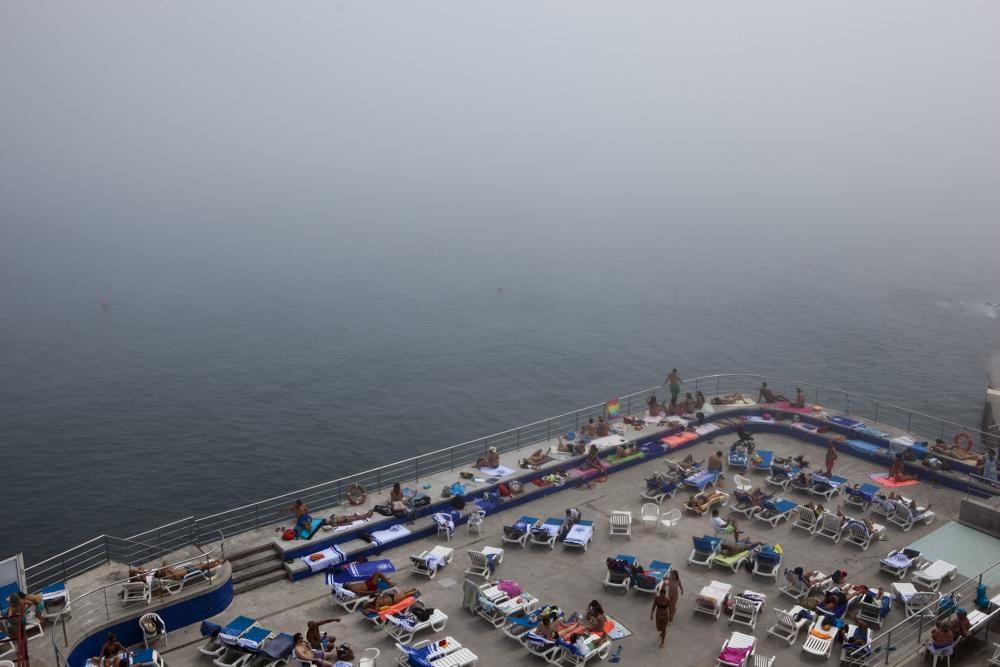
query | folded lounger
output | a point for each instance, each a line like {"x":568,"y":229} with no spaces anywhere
{"x":767,"y":564}
{"x":858,"y":534}
{"x":775,"y":511}
{"x":819,"y":640}
{"x":705,"y":548}
{"x":736,"y":650}
{"x":788,"y":623}
{"x":619,"y":574}
{"x":545,"y":534}
{"x":712,"y":599}
{"x":519,"y":532}
{"x":862,"y":496}
{"x":761,"y":460}
{"x":658,"y":490}
{"x":580,"y":534}
{"x":229,"y":633}
{"x":701,"y":479}
{"x":827,"y":487}
{"x":427,"y":650}
{"x":651,"y":578}
{"x":899,"y":562}
{"x":429,"y":562}
{"x":746,"y":608}
{"x":914,"y":601}
{"x":402,"y":628}
{"x":906,"y":518}
{"x":484,"y":562}
{"x":930,"y":575}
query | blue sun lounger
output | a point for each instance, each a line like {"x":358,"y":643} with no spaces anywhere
{"x":827,"y":487}
{"x":737,"y":459}
{"x":220,"y":636}
{"x":546,"y":533}
{"x":775,"y":511}
{"x":862,"y":497}
{"x":651,"y":578}
{"x":519,"y":532}
{"x":766,"y":459}
{"x":782,"y":476}
{"x":702,"y":480}
{"x":704,"y":550}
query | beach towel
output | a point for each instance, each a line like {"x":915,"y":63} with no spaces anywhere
{"x":784,"y":406}
{"x":757,"y":419}
{"x":631,"y":457}
{"x":608,"y":441}
{"x":348,"y":526}
{"x":361,"y":571}
{"x":446,"y":521}
{"x":383,"y":537}
{"x":306,"y":532}
{"x":652,"y":448}
{"x":883,"y":479}
{"x":845,"y":421}
{"x":580,"y":533}
{"x":326,"y":558}
{"x":705,"y":429}
{"x":499,"y":471}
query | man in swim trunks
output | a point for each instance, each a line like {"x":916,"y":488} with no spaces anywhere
{"x":320,"y":641}
{"x":602,"y":428}
{"x":674,"y":380}
{"x":369,"y":585}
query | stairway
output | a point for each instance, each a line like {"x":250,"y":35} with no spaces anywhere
{"x":256,"y":567}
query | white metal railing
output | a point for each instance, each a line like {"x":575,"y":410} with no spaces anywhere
{"x":165,"y":539}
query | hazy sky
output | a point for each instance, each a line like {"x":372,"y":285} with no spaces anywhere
{"x":146,"y":130}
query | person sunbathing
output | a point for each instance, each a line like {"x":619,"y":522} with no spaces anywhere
{"x":388,"y":598}
{"x":369,"y":585}
{"x":174,"y":573}
{"x":800,"y":399}
{"x":307,"y":654}
{"x":954,"y":451}
{"x":702,"y":502}
{"x":626,"y":450}
{"x":728,"y":399}
{"x":688,"y":464}
{"x":897,"y":472}
{"x":815,"y":507}
{"x":738,"y":547}
{"x":546,"y":628}
{"x":654,"y":406}
{"x":699,"y":400}
{"x":566,"y":629}
{"x":593,"y":459}
{"x":689,"y":403}
{"x":572,"y":448}
{"x":803,"y":480}
{"x":757,"y":497}
{"x":846,"y":520}
{"x":113,"y":653}
{"x":595,"y":619}
{"x":537,"y":458}
{"x":603,"y":428}
{"x":347,"y":519}
{"x":491,"y":460}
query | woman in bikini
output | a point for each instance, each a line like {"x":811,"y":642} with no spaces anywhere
{"x":661,"y":613}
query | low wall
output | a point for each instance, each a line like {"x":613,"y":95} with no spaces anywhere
{"x":979,"y":515}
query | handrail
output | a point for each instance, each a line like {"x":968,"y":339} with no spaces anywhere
{"x":330,"y":493}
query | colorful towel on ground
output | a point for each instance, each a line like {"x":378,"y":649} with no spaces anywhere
{"x":631,"y":457}
{"x":348,"y":526}
{"x":883,"y":479}
{"x":499,"y":471}
{"x":618,"y":631}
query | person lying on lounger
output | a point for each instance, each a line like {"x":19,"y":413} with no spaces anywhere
{"x":347,"y":519}
{"x":728,"y":399}
{"x":954,"y":451}
{"x":307,"y":654}
{"x":175,"y":573}
{"x":626,"y":450}
{"x":571,"y":448}
{"x":537,"y":458}
{"x":369,"y":585}
{"x":845,"y":520}
{"x":757,"y":497}
{"x":702,"y":502}
{"x":738,"y":547}
{"x":815,"y":507}
{"x":389,"y":598}
{"x":491,"y":460}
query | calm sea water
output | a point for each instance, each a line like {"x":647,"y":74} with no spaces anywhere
{"x":138,"y":394}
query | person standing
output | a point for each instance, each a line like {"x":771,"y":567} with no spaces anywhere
{"x":990,"y":465}
{"x":661,"y":612}
{"x":674,"y":380}
{"x":674,"y":591}
{"x":831,"y":456}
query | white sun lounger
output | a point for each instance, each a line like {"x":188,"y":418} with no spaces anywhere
{"x":228,"y":634}
{"x":930,"y":575}
{"x":496,"y":614}
{"x":535,"y":644}
{"x":402,"y":631}
{"x":429,"y":562}
{"x":431,"y":648}
{"x":807,"y":519}
{"x":747,"y":609}
{"x":480,"y":562}
{"x":786,"y":627}
{"x":871,"y":612}
{"x":906,"y":518}
{"x":572,"y":655}
{"x":621,"y":523}
{"x":580,"y":534}
{"x":819,"y":641}
{"x":736,"y":650}
{"x":914,"y":601}
{"x":795,"y":587}
{"x":899,"y":562}
{"x":830,"y":526}
{"x":712,"y":599}
{"x":704,"y":551}
{"x":348,"y":600}
{"x":857,"y":533}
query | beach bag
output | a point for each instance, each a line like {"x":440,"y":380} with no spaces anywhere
{"x":504,"y":491}
{"x":458,"y":502}
{"x":422,"y":613}
{"x":515,"y":487}
{"x":288,"y":534}
{"x":511,"y":588}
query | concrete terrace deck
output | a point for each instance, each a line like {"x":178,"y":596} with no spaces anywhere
{"x":571,"y":578}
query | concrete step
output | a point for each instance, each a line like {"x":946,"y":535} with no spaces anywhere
{"x":252,"y":560}
{"x":252,"y":551}
{"x":263,"y":568}
{"x":257,"y":582}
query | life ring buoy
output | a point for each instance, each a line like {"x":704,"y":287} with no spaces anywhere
{"x":356,"y":494}
{"x":968,"y":440}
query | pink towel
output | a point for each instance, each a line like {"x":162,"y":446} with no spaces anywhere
{"x":734,"y":656}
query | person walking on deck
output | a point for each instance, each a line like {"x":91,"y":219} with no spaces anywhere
{"x":674,"y":380}
{"x":831,"y":456}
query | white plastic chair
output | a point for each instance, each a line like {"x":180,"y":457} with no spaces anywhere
{"x":995,"y":660}
{"x":669,"y":520}
{"x":649,"y":514}
{"x":787,"y":628}
{"x":743,"y":484}
{"x":369,"y":657}
{"x":153,"y":620}
{"x":941,"y":652}
{"x":621,"y":523}
{"x":476,"y":522}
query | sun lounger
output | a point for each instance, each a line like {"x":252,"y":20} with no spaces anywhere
{"x":899,"y":562}
{"x":819,"y":640}
{"x":272,"y":653}
{"x":733,"y":562}
{"x":651,"y":578}
{"x":862,"y":496}
{"x":746,"y":607}
{"x":914,"y":601}
{"x":718,"y":498}
{"x":841,"y":609}
{"x":580,"y":534}
{"x":518,"y":533}
{"x":704,"y":550}
{"x":403,"y":628}
{"x":767,"y":564}
{"x":429,"y":562}
{"x":348,"y":600}
{"x":857,"y":533}
{"x":498,"y":612}
{"x":221,"y":636}
{"x":484,"y":562}
{"x":807,"y":519}
{"x":621,"y":523}
{"x":781,"y":476}
{"x":856,"y":649}
{"x":55,"y":601}
{"x":788,"y":624}
{"x":736,"y":650}
{"x":545,"y":534}
{"x":536,"y":645}
{"x":930,"y":575}
{"x":737,"y":459}
{"x":761,"y":460}
{"x":871,"y":612}
{"x":775,"y":511}
{"x":236,"y":654}
{"x":378,"y":617}
{"x":583,"y":651}
{"x":619,"y":574}
{"x":906,"y":518}
{"x":712,"y":599}
{"x":516,"y":626}
{"x":658,"y":490}
{"x":830,"y":526}
{"x":827,"y":487}
{"x":795,"y":586}
{"x":702,"y":479}
{"x":324,"y":559}
{"x":745,"y":505}
{"x":427,"y":650}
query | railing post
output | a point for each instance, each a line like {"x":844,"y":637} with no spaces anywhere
{"x":942,"y":430}
{"x":909,"y":415}
{"x":107,"y":609}
{"x":876,"y":412}
{"x":452,"y":458}
{"x":920,"y":626}
{"x":62,"y":559}
{"x":107,"y":550}
{"x":518,"y":439}
{"x":817,"y":396}
{"x":888,"y":643}
{"x":378,"y":475}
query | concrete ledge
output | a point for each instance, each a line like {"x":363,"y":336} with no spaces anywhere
{"x":980,"y":516}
